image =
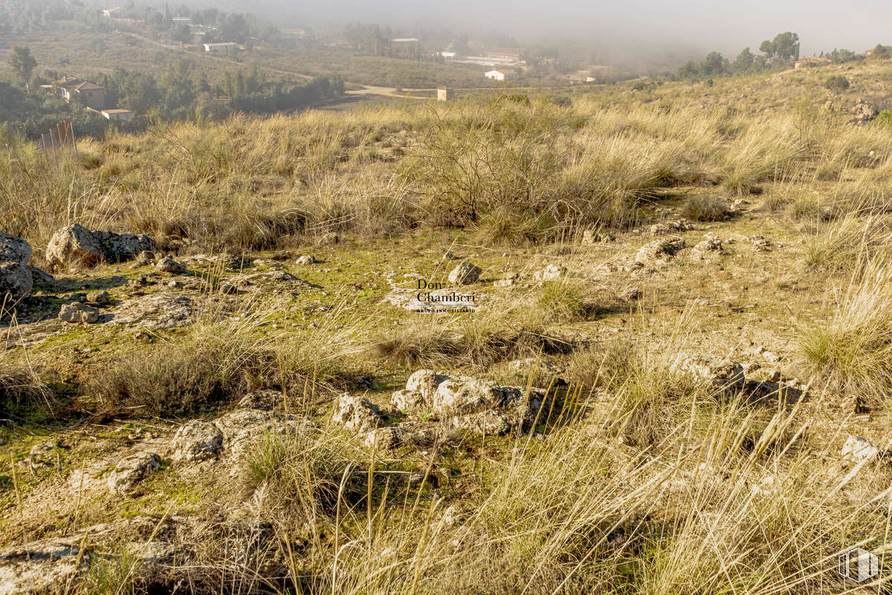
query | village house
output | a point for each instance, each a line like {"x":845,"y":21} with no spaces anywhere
{"x":811,"y":61}
{"x":501,"y":75}
{"x":92,"y":95}
{"x":220,"y":47}
{"x":112,"y":13}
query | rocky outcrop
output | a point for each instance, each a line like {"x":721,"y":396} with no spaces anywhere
{"x":863,"y":113}
{"x":357,"y":413}
{"x":671,"y":227}
{"x":76,"y":246}
{"x":197,"y":441}
{"x":16,"y":278}
{"x":468,"y":403}
{"x":169,"y":265}
{"x":465,"y":273}
{"x":78,"y":312}
{"x":157,"y":311}
{"x":131,"y":470}
{"x":658,"y":252}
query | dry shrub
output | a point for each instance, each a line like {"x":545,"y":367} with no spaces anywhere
{"x":21,"y":389}
{"x":705,"y":208}
{"x":853,"y":350}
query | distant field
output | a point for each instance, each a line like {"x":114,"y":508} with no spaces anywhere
{"x":78,"y":51}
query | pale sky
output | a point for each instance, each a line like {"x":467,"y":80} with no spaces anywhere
{"x":707,"y":24}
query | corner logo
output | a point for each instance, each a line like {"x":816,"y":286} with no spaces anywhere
{"x":858,"y":564}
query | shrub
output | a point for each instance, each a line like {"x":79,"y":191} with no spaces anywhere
{"x":21,"y":389}
{"x":837,"y":82}
{"x":884,"y":118}
{"x":704,"y":208}
{"x":563,"y":300}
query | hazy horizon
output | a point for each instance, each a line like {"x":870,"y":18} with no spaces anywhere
{"x":694,"y":26}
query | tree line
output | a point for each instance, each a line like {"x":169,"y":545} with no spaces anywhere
{"x":775,"y":54}
{"x":182,"y":92}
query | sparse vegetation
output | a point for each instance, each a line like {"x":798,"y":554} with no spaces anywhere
{"x":633,"y":404}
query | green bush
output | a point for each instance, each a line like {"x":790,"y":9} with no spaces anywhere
{"x":837,"y":83}
{"x":884,"y":118}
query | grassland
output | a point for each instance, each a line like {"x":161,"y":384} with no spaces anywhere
{"x":646,"y":477}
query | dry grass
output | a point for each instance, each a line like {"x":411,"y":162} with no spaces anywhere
{"x":854,"y":348}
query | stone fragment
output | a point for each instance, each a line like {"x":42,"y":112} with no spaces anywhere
{"x":465,"y":273}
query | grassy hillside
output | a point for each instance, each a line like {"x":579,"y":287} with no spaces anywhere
{"x":686,"y":289}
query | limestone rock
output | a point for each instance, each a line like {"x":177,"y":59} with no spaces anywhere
{"x":384,"y":438}
{"x":425,"y":382}
{"x":463,"y":394}
{"x":16,"y":277}
{"x":131,"y":470}
{"x":465,"y":273}
{"x":75,"y":245}
{"x":659,"y":251}
{"x":551,"y":272}
{"x":169,"y":265}
{"x":161,"y":310}
{"x":40,"y":567}
{"x":197,"y":441}
{"x":357,"y":413}
{"x":710,"y":243}
{"x":78,"y":312}
{"x":671,"y":227}
{"x":410,"y":401}
{"x":306,"y":259}
{"x":857,"y":449}
{"x":721,"y":373}
{"x":468,"y":403}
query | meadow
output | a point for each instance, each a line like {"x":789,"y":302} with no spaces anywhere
{"x":640,"y":473}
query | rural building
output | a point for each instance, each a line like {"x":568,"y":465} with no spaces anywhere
{"x":501,"y":75}
{"x":811,"y":61}
{"x":117,"y":115}
{"x":112,"y":13}
{"x":220,"y":47}
{"x":444,"y":94}
{"x":405,"y":46}
{"x":448,"y":56}
{"x":92,"y":95}
{"x":505,"y":54}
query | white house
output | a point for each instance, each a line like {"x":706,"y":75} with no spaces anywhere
{"x":219,"y":47}
{"x":501,"y":75}
{"x":112,"y":13}
{"x":117,"y":115}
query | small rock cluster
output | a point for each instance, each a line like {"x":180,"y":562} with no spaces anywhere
{"x":76,"y":246}
{"x":658,"y":252}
